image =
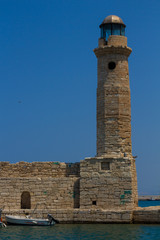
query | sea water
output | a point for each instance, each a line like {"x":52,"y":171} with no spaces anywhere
{"x":82,"y":232}
{"x":85,"y":231}
{"x":148,"y":203}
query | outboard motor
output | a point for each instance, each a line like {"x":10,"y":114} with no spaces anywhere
{"x":52,"y":219}
{"x":0,"y":214}
{"x":2,"y":224}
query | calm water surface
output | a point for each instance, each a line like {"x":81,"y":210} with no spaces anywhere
{"x":148,"y":203}
{"x":82,"y":231}
{"x":85,"y":231}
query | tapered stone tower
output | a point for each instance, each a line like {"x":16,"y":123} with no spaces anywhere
{"x":113,"y":91}
{"x":109,"y":180}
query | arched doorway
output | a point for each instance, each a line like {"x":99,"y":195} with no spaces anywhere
{"x":25,"y":200}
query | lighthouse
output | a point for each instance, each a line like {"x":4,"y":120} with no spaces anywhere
{"x":113,"y":90}
{"x":109,"y":180}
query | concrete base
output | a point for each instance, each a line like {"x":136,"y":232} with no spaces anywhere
{"x":139,"y":215}
{"x":77,"y":215}
{"x":147,"y":215}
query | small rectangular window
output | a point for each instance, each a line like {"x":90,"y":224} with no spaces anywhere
{"x":105,"y":165}
{"x":94,"y":202}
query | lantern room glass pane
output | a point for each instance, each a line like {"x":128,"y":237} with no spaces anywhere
{"x":116,"y":29}
{"x":122,"y":30}
{"x":112,"y":29}
{"x":108,"y":30}
{"x":103,"y":33}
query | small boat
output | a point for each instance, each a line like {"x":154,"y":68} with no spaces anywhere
{"x":27,"y":220}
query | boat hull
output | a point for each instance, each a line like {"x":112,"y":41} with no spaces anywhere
{"x":18,"y":220}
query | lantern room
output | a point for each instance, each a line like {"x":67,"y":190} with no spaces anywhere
{"x":112,"y":25}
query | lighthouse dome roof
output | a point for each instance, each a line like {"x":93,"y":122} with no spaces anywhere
{"x":112,"y":19}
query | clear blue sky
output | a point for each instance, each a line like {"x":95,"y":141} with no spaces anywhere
{"x":48,"y":80}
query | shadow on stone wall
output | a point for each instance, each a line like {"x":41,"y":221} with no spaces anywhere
{"x":76,"y":194}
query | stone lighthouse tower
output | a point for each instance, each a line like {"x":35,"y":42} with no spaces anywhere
{"x":113,"y":91}
{"x":109,"y":180}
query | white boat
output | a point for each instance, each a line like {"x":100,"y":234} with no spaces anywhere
{"x":19,"y":220}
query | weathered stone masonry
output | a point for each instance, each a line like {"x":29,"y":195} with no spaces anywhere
{"x":98,"y":189}
{"x":109,"y":180}
{"x":53,"y":183}
{"x":110,"y":189}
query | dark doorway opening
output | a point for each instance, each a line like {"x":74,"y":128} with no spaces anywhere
{"x":25,"y":200}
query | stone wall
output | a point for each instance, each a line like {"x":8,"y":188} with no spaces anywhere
{"x":147,"y":215}
{"x":110,"y":189}
{"x":64,"y":186}
{"x":53,"y":183}
{"x":134,"y":182}
{"x":56,"y":193}
{"x":114,"y":40}
{"x":39,"y":169}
